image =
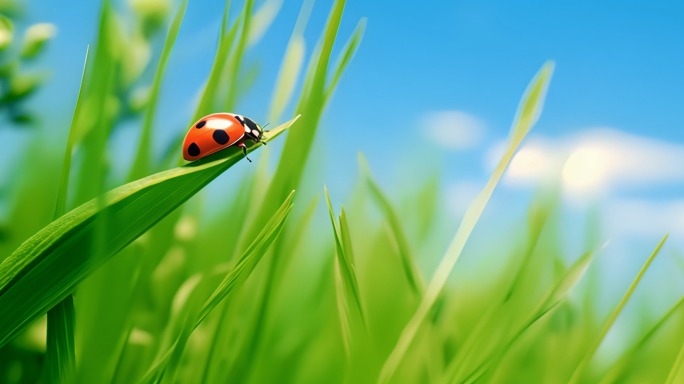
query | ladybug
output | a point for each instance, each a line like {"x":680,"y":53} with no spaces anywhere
{"x":217,"y":131}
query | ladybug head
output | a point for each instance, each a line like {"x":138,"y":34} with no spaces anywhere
{"x":253,"y":130}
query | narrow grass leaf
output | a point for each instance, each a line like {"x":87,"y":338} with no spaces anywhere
{"x":676,"y":367}
{"x":236,"y":58}
{"x":549,"y":302}
{"x":143,"y":159}
{"x":262,"y":20}
{"x":168,"y":364}
{"x":61,"y":356}
{"x":347,"y":289}
{"x":292,"y":64}
{"x":617,"y":369}
{"x":529,"y":110}
{"x":408,"y":260}
{"x":46,"y":268}
{"x":60,"y":206}
{"x":208,"y":99}
{"x":347,"y":53}
{"x":249,"y":259}
{"x":298,"y":143}
{"x":579,"y":371}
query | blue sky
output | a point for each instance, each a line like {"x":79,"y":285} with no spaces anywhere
{"x":618,"y":67}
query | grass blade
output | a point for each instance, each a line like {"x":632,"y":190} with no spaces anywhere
{"x":551,"y":300}
{"x":675,"y":367}
{"x":61,"y":356}
{"x":249,"y":259}
{"x":45,"y":269}
{"x":619,"y":366}
{"x":345,"y":276}
{"x":292,"y":64}
{"x":528,"y":112}
{"x":347,"y":53}
{"x":207,"y":102}
{"x":236,"y":57}
{"x":168,"y":364}
{"x":60,"y":206}
{"x":407,"y":258}
{"x":579,"y":371}
{"x":298,"y":143}
{"x":142,"y":163}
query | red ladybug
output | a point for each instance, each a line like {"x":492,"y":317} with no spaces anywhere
{"x":218,"y":131}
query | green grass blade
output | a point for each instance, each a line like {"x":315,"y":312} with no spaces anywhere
{"x":262,"y":20}
{"x":61,"y":356}
{"x":60,"y":207}
{"x":46,"y":268}
{"x":579,"y":371}
{"x":168,"y":364}
{"x":298,"y":143}
{"x":347,"y":53}
{"x":676,"y":367}
{"x":408,"y":260}
{"x":347,"y":288}
{"x":208,"y":99}
{"x":529,"y":109}
{"x":551,"y":300}
{"x":292,"y":64}
{"x":250,"y":258}
{"x":616,"y":370}
{"x":143,"y":160}
{"x":236,"y":58}
{"x":349,"y":260}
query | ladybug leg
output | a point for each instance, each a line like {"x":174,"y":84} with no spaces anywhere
{"x":244,"y":150}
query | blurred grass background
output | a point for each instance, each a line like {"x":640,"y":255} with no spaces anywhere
{"x":257,"y":284}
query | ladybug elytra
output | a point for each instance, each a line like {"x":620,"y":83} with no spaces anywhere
{"x":218,"y":131}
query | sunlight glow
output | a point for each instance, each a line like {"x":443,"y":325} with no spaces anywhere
{"x":586,"y":169}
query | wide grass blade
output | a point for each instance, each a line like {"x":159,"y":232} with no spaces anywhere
{"x":528,"y":112}
{"x":408,"y":260}
{"x":142,"y":163}
{"x":579,"y":371}
{"x":46,"y":268}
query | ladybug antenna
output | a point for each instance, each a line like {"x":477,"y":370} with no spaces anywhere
{"x":265,"y":125}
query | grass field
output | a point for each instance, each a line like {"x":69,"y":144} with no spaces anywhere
{"x":130,"y":280}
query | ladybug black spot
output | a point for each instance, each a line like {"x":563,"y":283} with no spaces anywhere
{"x":239,"y":120}
{"x":220,"y":136}
{"x":200,"y":124}
{"x":193,"y":150}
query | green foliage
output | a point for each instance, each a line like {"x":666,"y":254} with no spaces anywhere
{"x":156,"y":281}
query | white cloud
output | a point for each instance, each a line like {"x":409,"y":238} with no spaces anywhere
{"x":454,"y":129}
{"x":594,"y":161}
